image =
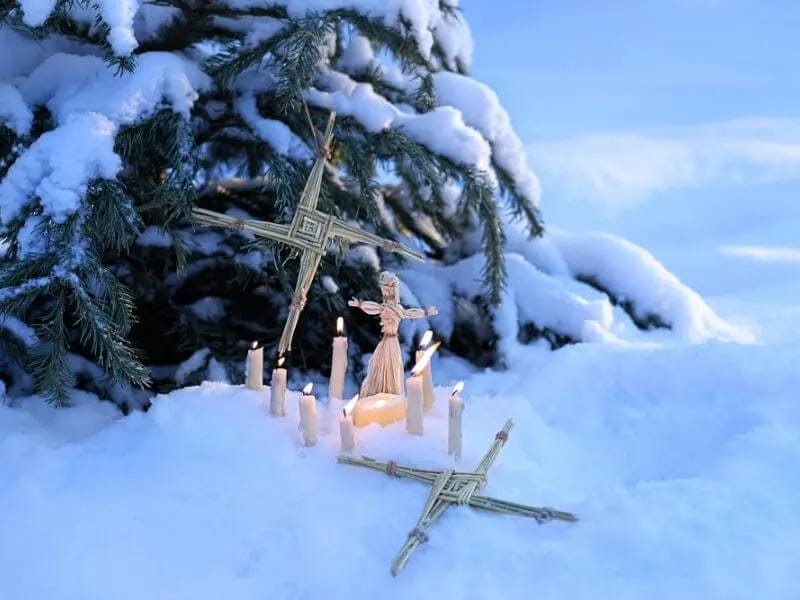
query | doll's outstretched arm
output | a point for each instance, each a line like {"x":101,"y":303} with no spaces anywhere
{"x":371,"y":308}
{"x":420,"y":313}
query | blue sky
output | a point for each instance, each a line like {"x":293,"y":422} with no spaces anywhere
{"x":623,"y":103}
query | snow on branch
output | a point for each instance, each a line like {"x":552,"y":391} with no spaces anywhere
{"x":441,"y":130}
{"x":276,"y":133}
{"x":68,"y":84}
{"x":436,"y":28}
{"x":530,"y":297}
{"x":480,"y":108}
{"x":643,"y":285}
{"x":58,"y":167}
{"x":117,"y":16}
{"x":14,"y":112}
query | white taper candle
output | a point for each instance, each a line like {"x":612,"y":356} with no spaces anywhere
{"x":339,"y":362}
{"x":414,"y":423}
{"x":277,"y":398}
{"x":455,"y":411}
{"x":255,"y":367}
{"x":308,"y":416}
{"x":347,"y":430}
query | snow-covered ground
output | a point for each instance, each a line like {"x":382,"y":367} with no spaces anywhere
{"x":682,"y":461}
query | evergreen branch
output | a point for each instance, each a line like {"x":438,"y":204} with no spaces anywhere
{"x":479,"y":197}
{"x":396,"y":41}
{"x":521,"y":207}
{"x":105,"y":339}
{"x":48,"y":359}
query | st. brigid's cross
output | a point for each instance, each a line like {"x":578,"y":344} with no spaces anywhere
{"x":450,"y":487}
{"x":310,"y":231}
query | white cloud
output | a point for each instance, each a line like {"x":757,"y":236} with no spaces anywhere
{"x":624,"y":168}
{"x":779,"y":254}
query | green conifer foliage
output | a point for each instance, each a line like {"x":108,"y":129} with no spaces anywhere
{"x":127,"y":283}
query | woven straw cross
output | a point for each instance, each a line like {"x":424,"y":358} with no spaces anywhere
{"x":449,"y":487}
{"x":310,"y":231}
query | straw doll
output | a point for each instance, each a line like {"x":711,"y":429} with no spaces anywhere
{"x":385,"y":370}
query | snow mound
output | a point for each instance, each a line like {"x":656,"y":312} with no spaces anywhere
{"x":631,"y":274}
{"x":684,"y":482}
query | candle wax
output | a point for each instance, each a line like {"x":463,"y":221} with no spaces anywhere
{"x":414,"y":405}
{"x":277,"y":399}
{"x":308,"y":419}
{"x":338,"y":367}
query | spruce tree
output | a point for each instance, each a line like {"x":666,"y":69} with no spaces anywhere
{"x":120,"y":117}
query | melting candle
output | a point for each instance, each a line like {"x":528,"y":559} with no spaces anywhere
{"x":347,"y":430}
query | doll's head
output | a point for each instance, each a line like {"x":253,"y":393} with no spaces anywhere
{"x":390,"y":286}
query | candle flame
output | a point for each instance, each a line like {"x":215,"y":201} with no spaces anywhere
{"x":426,"y":339}
{"x":307,"y":389}
{"x":425,"y":359}
{"x":254,"y":345}
{"x":351,"y":404}
{"x":457,"y":388}
{"x":281,"y":360}
{"x":339,"y":326}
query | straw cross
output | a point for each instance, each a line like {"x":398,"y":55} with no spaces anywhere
{"x":310,"y":231}
{"x":449,"y":487}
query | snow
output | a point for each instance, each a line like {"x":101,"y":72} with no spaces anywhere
{"x":118,"y":15}
{"x":198,"y":360}
{"x":681,"y":478}
{"x":632,"y":273}
{"x":427,"y":23}
{"x":155,"y":237}
{"x":35,"y":12}
{"x":442,"y":130}
{"x":13,"y":111}
{"x":58,"y":166}
{"x":209,"y":308}
{"x":18,"y":329}
{"x":530,"y":296}
{"x":480,"y":108}
{"x":68,"y":84}
{"x":357,"y":55}
{"x":276,"y":133}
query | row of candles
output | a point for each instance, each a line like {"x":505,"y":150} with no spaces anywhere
{"x":419,"y":393}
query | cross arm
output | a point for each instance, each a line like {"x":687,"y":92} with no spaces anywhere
{"x":353,"y":234}
{"x":264,"y":229}
{"x":429,"y":476}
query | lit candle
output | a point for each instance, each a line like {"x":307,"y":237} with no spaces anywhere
{"x":308,"y":416}
{"x":339,"y":363}
{"x":414,"y":393}
{"x":456,"y":409}
{"x":427,"y":376}
{"x":347,"y":429}
{"x":255,"y":367}
{"x":277,"y":398}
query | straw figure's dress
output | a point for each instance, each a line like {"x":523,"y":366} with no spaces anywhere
{"x":385,"y":369}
